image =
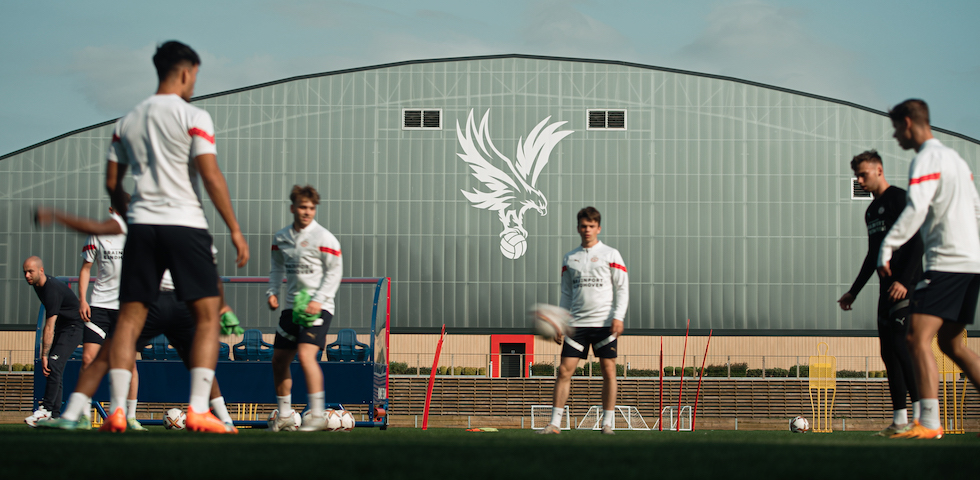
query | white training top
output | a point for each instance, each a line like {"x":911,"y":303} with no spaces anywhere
{"x":594,"y":286}
{"x":943,"y":205}
{"x":310,"y":260}
{"x":106,"y":252}
{"x":159,"y":140}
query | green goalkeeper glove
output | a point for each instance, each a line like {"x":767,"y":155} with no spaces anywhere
{"x":230,"y":325}
{"x":300,"y":317}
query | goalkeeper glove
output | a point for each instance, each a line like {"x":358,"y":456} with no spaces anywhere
{"x":300,"y":317}
{"x":229,"y":324}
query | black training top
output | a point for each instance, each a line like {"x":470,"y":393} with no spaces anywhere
{"x":58,"y":299}
{"x":906,"y":263}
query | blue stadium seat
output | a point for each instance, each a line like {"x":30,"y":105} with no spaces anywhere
{"x":224,"y":352}
{"x":159,"y":349}
{"x":252,"y":347}
{"x":347,"y":348}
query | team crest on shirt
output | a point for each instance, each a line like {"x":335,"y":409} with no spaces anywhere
{"x":304,"y":244}
{"x":508,"y":187}
{"x":881,"y":210}
{"x":594,"y":259}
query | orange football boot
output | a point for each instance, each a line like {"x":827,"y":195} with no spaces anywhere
{"x":207,"y":422}
{"x":115,"y":422}
{"x":918,"y":431}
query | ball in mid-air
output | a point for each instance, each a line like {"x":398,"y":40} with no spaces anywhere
{"x":549,"y":320}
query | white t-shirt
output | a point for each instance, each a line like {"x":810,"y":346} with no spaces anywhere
{"x":310,"y":260}
{"x":159,"y":140}
{"x":594,"y":286}
{"x":106,"y":252}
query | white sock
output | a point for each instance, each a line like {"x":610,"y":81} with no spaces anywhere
{"x":900,"y":416}
{"x":556,"y":414}
{"x":607,"y":418}
{"x":131,"y":408}
{"x":915,"y":410}
{"x":201,"y":379}
{"x":316,"y":403}
{"x":119,"y":379}
{"x":77,"y":403}
{"x":929,"y":413}
{"x":219,"y":409}
{"x":285,"y":404}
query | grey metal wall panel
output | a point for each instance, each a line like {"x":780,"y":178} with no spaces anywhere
{"x":729,"y":201}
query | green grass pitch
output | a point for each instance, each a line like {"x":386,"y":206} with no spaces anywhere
{"x":405,"y":453}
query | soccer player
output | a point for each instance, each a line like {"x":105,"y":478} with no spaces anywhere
{"x":595,"y":289}
{"x":943,"y":205}
{"x":893,"y":298}
{"x":309,"y":257}
{"x":170,"y":145}
{"x":60,"y":336}
{"x":179,"y":332}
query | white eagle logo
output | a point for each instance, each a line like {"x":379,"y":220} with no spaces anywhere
{"x":510,"y":190}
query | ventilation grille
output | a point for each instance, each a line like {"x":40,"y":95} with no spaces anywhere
{"x":858,"y":193}
{"x":418,"y":119}
{"x":607,"y":120}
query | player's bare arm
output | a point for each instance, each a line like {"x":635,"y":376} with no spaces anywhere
{"x":84,"y":310}
{"x":617,"y":327}
{"x":47,"y":338}
{"x":214,"y":183}
{"x":845,"y":301}
{"x":45,"y":216}
{"x":273,"y":302}
{"x":114,"y":174}
{"x":897,"y":291}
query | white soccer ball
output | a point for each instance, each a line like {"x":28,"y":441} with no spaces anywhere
{"x":549,"y":320}
{"x":274,"y":417}
{"x":346,"y":421}
{"x":799,"y":425}
{"x":334,"y":420}
{"x":513,"y":244}
{"x":175,"y":419}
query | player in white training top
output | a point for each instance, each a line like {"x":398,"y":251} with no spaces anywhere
{"x":308,"y":255}
{"x":595,"y":289}
{"x":942,"y":204}
{"x":170,"y":145}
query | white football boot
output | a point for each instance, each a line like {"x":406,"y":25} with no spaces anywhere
{"x":282,"y":422}
{"x":40,"y":414}
{"x":313,"y":423}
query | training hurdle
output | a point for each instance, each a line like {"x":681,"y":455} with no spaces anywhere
{"x":250,"y":382}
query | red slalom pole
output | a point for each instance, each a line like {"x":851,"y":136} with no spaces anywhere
{"x":432,"y":380}
{"x":680,"y":389}
{"x":661,"y":422}
{"x":701,"y":377}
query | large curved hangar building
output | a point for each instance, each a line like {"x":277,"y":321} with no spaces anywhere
{"x":731,"y":202}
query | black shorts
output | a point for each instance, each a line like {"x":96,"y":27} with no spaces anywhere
{"x":950,"y":296}
{"x":101,"y":325}
{"x":151,"y":249}
{"x":171,"y":317}
{"x":289,"y":334}
{"x":596,"y":337}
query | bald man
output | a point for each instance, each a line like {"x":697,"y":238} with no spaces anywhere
{"x":61,"y":334}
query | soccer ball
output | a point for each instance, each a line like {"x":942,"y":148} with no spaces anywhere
{"x":549,"y":320}
{"x":513,"y":243}
{"x":174,"y":420}
{"x":799,"y":425}
{"x":274,"y":417}
{"x":346,"y":421}
{"x":334,"y":420}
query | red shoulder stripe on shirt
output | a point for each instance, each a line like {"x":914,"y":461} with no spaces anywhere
{"x":275,"y":247}
{"x":88,"y":247}
{"x":564,"y":268}
{"x":330,"y":251}
{"x":616,"y":265}
{"x":115,"y":138}
{"x":924,"y":178}
{"x":197,"y":132}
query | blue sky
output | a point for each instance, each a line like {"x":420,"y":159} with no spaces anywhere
{"x":67,"y":65}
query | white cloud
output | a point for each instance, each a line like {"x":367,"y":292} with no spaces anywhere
{"x":753,"y":40}
{"x":114,"y":78}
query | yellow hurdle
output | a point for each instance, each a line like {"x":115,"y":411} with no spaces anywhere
{"x":823,"y":388}
{"x":953,"y":391}
{"x":246,"y":411}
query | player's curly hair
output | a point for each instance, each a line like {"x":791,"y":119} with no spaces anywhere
{"x":171,"y":55}
{"x":866,"y":156}
{"x":304,"y":193}
{"x":590,"y":214}
{"x":913,"y":108}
